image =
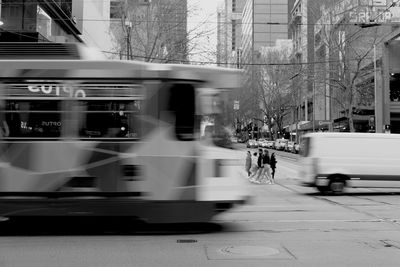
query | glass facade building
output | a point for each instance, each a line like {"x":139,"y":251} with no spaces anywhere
{"x":263,"y":22}
{"x":38,"y":21}
{"x":229,"y":33}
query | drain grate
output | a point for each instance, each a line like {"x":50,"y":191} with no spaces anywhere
{"x":186,"y":241}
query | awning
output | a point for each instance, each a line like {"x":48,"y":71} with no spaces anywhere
{"x":317,"y":125}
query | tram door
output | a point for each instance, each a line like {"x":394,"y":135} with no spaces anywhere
{"x":168,"y":151}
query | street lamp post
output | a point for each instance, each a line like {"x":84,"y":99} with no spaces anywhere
{"x":375,"y":89}
{"x":313,"y":111}
{"x":128,"y":25}
{"x":298,"y":106}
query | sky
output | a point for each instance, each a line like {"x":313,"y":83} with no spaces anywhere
{"x":204,"y":18}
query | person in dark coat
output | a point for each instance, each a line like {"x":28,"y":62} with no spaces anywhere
{"x":272,"y":163}
{"x":267,"y":168}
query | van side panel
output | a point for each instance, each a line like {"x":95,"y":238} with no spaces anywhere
{"x":360,"y":157}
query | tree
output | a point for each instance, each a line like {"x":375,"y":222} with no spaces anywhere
{"x":155,"y":31}
{"x":343,"y":60}
{"x":275,"y":90}
{"x":346,"y":53}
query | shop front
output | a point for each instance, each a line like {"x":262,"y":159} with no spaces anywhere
{"x":361,"y":123}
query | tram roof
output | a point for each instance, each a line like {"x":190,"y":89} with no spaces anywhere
{"x":214,"y":77}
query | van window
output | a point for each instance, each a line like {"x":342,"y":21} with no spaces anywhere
{"x":305,"y":147}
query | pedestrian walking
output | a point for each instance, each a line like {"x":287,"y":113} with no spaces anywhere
{"x":260,"y":166}
{"x":266,"y":176}
{"x":273,"y":162}
{"x":248,"y":163}
{"x":254,"y":167}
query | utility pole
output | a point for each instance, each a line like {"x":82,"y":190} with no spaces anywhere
{"x":375,"y":91}
{"x":128,"y":25}
{"x":148,"y":31}
{"x":298,"y":105}
{"x":313,"y":113}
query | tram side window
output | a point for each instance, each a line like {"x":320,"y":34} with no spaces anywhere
{"x":36,"y":118}
{"x":182,"y":103}
{"x":109,"y":119}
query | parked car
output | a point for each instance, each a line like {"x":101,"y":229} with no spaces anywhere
{"x":269,"y":144}
{"x":280,"y":144}
{"x":289,"y":146}
{"x":252,"y":143}
{"x":242,"y":139}
{"x":262,"y":142}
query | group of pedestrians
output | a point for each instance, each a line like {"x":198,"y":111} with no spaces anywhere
{"x":260,"y":167}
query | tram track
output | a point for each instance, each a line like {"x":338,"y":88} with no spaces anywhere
{"x":349,"y":207}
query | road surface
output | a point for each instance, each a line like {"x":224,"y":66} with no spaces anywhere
{"x":284,"y":225}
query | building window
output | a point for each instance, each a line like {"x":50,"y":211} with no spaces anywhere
{"x":43,"y":23}
{"x":116,"y":7}
{"x":66,"y":6}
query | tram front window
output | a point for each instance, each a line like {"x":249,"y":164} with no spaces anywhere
{"x":215,"y":120}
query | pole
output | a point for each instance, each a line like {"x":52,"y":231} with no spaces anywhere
{"x":298,"y":114}
{"x":148,"y":31}
{"x":127,"y":43}
{"x":375,"y":90}
{"x":128,"y":25}
{"x":313,"y":111}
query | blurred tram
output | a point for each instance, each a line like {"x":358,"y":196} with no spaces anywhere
{"x":86,"y":136}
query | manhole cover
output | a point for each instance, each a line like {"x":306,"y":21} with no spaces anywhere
{"x":249,"y":251}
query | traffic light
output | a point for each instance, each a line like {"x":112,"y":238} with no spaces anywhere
{"x":387,"y":128}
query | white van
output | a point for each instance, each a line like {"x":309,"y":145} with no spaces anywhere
{"x":331,"y":161}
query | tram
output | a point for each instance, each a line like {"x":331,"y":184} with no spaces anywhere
{"x":84,"y":136}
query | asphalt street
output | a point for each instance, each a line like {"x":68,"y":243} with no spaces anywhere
{"x":284,"y":224}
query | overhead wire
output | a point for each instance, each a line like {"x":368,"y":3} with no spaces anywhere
{"x":208,"y":62}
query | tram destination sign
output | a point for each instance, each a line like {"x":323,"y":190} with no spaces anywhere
{"x":56,"y":90}
{"x":71,"y":90}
